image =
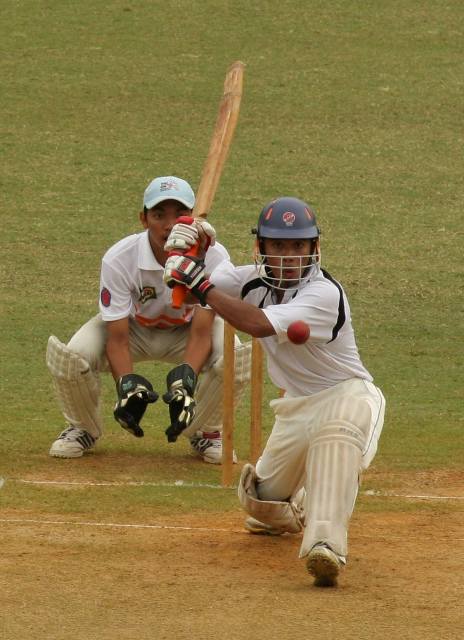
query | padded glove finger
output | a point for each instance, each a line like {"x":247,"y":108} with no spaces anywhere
{"x":182,"y":237}
{"x":190,"y":272}
{"x":186,"y":270}
{"x":134,"y":394}
{"x":181,"y":383}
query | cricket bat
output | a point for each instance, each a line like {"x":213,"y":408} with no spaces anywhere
{"x":218,"y":150}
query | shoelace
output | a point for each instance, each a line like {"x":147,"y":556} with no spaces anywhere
{"x":206,"y":443}
{"x":72,"y":434}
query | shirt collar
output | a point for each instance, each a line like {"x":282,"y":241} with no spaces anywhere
{"x":146,"y":258}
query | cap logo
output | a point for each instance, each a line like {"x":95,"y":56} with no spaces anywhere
{"x":289,"y":218}
{"x":168,"y":186}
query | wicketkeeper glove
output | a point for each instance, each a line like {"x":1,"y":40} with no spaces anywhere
{"x":134,"y":393}
{"x":184,"y":236}
{"x":181,"y":383}
{"x":189,"y":271}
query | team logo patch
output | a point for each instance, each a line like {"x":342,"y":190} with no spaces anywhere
{"x":147,"y":293}
{"x":289,"y":218}
{"x":169,"y":186}
{"x":105,"y":297}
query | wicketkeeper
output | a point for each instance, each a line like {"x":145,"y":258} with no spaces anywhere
{"x":137,"y":323}
{"x":328,"y":423}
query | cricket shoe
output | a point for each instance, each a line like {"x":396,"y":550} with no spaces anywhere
{"x":208,"y":445}
{"x":71,"y":443}
{"x":324,"y":564}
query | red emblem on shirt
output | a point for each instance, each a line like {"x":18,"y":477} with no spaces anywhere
{"x":105,"y":297}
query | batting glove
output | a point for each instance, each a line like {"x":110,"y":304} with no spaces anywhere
{"x":134,"y":393}
{"x":185,"y":236}
{"x":181,"y":383}
{"x":189,"y":271}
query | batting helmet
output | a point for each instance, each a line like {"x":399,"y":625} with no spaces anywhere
{"x":287,"y":218}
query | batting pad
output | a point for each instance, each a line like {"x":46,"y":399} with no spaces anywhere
{"x":287,"y":516}
{"x":77,"y":387}
{"x":210,"y":390}
{"x":333,"y":467}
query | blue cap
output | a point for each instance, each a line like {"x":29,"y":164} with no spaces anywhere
{"x":168,"y":188}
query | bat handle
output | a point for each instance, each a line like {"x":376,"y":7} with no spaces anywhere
{"x":179,"y":292}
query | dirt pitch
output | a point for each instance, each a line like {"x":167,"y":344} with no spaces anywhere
{"x":205,"y":577}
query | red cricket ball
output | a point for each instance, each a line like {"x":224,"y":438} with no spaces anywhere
{"x":298,"y":332}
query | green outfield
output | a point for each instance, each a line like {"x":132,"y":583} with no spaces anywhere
{"x":353,"y":106}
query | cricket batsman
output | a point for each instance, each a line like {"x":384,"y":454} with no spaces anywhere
{"x":328,"y":423}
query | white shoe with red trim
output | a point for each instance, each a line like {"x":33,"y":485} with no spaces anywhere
{"x":208,"y":445}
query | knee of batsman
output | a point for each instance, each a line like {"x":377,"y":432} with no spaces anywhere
{"x":349,"y":411}
{"x":341,"y":431}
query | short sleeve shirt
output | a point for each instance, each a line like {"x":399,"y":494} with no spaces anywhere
{"x":328,"y":357}
{"x":131,"y":284}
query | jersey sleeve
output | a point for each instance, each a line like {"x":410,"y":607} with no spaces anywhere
{"x":229,"y":278}
{"x":320,"y":306}
{"x":215,"y":256}
{"x":115,"y":295}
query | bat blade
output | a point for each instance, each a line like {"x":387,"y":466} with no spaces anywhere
{"x":221,"y":139}
{"x":218,"y":150}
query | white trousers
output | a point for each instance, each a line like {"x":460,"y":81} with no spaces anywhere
{"x":145,"y":343}
{"x":322,"y":443}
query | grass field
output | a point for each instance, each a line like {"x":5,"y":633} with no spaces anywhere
{"x":353,"y":106}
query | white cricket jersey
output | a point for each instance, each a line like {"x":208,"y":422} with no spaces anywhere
{"x":329,"y":356}
{"x":131,"y":284}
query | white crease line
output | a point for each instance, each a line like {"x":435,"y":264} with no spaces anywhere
{"x":116,"y":525}
{"x":200,"y":485}
{"x":379,"y":494}
{"x":112,"y":525}
{"x":394,"y":495}
{"x":129,"y":483}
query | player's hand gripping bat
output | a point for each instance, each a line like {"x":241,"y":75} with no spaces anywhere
{"x":218,"y":150}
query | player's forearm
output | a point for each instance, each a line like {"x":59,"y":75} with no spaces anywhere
{"x":241,"y":315}
{"x":198,"y":351}
{"x":119,"y":358}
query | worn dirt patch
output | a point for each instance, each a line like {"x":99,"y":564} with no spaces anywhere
{"x":205,"y":577}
